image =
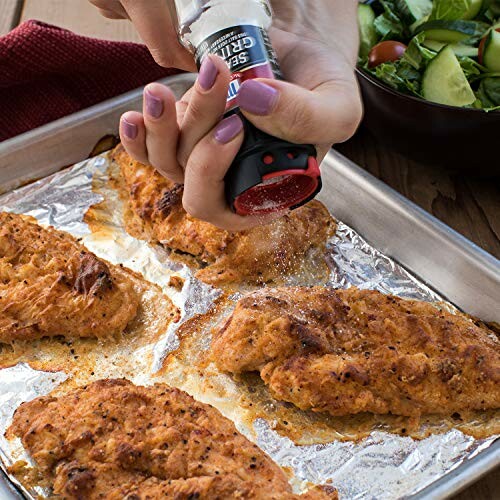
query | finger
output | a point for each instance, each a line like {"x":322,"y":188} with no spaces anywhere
{"x":204,"y":178}
{"x":204,"y":196}
{"x":133,"y":136}
{"x":112,"y":9}
{"x":162,"y":131}
{"x":153,"y":22}
{"x":110,"y":14}
{"x":326,"y":115}
{"x":207,"y":103}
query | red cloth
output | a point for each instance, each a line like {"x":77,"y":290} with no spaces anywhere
{"x":47,"y":72}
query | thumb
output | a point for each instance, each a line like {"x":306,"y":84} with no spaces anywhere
{"x":326,"y":115}
{"x":154,"y":22}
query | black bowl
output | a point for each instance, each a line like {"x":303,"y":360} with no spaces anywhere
{"x":447,"y":136}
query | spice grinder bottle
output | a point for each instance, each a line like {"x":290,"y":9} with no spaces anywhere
{"x":268,"y":174}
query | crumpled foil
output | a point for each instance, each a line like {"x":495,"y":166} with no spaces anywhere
{"x":382,"y":465}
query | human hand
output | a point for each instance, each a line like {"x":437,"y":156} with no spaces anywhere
{"x":153,"y":21}
{"x":316,"y":43}
{"x":319,"y":102}
{"x":188,"y":143}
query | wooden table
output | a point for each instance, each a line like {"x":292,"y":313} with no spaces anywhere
{"x":469,"y":205}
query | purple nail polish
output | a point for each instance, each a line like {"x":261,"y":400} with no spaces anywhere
{"x":208,"y":74}
{"x":228,"y":129}
{"x":154,"y":105}
{"x":257,"y":98}
{"x":129,"y":130}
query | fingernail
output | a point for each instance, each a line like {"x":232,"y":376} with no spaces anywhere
{"x":208,"y":74}
{"x":129,"y":129}
{"x":154,"y":105}
{"x":228,"y":129}
{"x":257,"y":98}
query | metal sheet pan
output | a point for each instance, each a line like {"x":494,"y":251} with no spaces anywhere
{"x":455,"y":267}
{"x":7,"y":490}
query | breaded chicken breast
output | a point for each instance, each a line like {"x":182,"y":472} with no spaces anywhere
{"x":258,"y":255}
{"x":351,"y":351}
{"x":51,"y":285}
{"x":115,"y":440}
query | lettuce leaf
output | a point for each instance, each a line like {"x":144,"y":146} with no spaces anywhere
{"x":471,"y":68}
{"x":389,"y":24}
{"x":489,"y":92}
{"x":416,"y":55}
{"x":449,"y":10}
{"x":399,"y":76}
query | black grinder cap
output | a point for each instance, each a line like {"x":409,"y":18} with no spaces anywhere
{"x":270,"y":175}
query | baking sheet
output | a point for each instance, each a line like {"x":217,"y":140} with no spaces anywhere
{"x":383,"y":465}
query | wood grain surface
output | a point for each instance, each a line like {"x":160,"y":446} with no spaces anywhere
{"x":9,"y":14}
{"x":468,"y":204}
{"x":79,"y":16}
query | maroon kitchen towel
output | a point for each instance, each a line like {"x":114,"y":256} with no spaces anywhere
{"x":47,"y":72}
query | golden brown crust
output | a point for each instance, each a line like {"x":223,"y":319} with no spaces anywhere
{"x":351,"y":351}
{"x":259,"y":255}
{"x":51,"y":285}
{"x":115,"y":440}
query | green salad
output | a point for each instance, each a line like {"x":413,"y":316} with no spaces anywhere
{"x":444,"y":51}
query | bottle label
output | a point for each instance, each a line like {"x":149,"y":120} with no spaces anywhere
{"x":247,"y":51}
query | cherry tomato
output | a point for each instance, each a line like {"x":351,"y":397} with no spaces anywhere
{"x":481,"y":47}
{"x":385,"y":52}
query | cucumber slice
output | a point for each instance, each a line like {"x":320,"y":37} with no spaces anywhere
{"x":462,"y":50}
{"x":367,"y":33}
{"x":416,"y":24}
{"x":459,"y":48}
{"x":452,"y":31}
{"x":444,"y":81}
{"x":414,"y":10}
{"x":491,"y":54}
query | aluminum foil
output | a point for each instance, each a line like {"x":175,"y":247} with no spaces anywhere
{"x":382,"y":465}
